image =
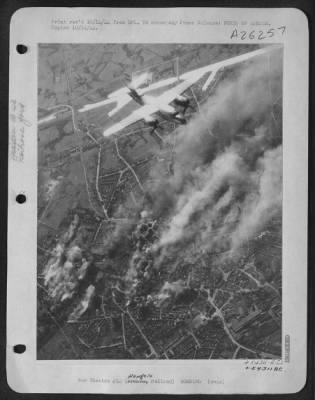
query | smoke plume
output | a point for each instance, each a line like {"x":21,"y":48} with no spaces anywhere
{"x":227,"y":177}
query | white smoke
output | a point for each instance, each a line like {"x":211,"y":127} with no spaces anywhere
{"x":66,"y":267}
{"x":169,"y":289}
{"x":202,"y":193}
{"x":74,"y":253}
{"x":84,"y":304}
{"x":219,"y":197}
{"x":266,"y":201}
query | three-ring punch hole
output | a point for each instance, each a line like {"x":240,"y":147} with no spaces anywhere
{"x":20,"y":198}
{"x":19,"y":348}
{"x":21,"y":48}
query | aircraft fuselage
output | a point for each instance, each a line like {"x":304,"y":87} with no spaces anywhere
{"x":166,"y":111}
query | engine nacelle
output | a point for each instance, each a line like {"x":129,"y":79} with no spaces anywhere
{"x":167,"y":109}
{"x":151,"y":121}
{"x":181,"y":100}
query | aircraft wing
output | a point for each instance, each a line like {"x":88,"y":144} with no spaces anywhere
{"x":191,"y":77}
{"x":119,"y":101}
{"x":137,"y":115}
{"x":120,"y":97}
{"x":171,"y":94}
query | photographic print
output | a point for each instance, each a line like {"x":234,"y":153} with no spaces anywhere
{"x":159,"y":201}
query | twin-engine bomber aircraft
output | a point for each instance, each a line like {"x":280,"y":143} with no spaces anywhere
{"x":160,"y":105}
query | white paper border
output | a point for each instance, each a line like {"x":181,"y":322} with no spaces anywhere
{"x":30,"y":26}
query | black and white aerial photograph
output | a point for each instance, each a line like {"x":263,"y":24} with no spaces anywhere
{"x":159,"y":202}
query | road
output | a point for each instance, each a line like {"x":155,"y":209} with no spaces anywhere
{"x":152,"y":349}
{"x":128,"y":166}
